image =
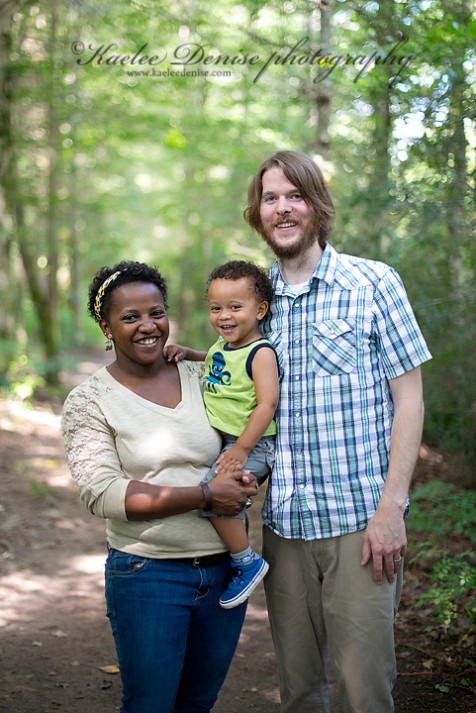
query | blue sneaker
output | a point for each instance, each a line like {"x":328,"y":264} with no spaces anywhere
{"x":243,"y":580}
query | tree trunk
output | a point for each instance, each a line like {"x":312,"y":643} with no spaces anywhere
{"x":379,"y":230}
{"x":323,"y":96}
{"x":51,"y":220}
{"x":13,"y":219}
{"x":39,"y":298}
{"x":7,"y":292}
{"x":459,"y":239}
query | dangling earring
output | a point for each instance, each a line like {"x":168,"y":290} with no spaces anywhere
{"x":108,"y":342}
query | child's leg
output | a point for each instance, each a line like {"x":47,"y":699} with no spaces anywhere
{"x":247,"y":567}
{"x":233,"y":533}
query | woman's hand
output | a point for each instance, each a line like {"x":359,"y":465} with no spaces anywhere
{"x":231,"y":490}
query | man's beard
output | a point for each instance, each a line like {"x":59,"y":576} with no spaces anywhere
{"x":295,"y":248}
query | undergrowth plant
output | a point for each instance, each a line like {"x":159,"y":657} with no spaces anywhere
{"x":441,"y":513}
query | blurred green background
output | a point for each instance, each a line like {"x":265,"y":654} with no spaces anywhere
{"x":102,"y":159}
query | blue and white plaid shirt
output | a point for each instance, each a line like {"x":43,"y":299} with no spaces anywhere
{"x":339,"y":340}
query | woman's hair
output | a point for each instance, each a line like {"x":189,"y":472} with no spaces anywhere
{"x":306,"y":175}
{"x":107,"y":279}
{"x":258,"y":279}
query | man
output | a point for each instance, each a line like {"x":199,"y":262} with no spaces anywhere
{"x":349,"y":427}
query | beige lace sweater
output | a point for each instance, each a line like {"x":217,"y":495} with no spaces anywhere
{"x":112,"y":435}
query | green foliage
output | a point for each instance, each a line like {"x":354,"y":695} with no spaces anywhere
{"x":156,"y":168}
{"x":21,"y":378}
{"x":39,"y":491}
{"x":453,"y":590}
{"x":442,"y":513}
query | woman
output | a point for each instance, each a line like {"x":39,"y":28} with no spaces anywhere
{"x":138,"y":444}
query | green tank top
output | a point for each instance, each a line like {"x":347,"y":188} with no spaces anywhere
{"x":229,"y":390}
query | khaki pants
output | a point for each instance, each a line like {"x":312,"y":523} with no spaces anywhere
{"x":323,"y":605}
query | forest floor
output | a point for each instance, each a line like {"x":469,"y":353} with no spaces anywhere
{"x":56,"y":649}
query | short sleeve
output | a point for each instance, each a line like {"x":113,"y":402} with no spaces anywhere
{"x":400,"y":341}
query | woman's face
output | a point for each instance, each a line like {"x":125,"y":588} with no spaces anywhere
{"x":138,"y":323}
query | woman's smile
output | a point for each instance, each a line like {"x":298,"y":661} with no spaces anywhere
{"x":138,"y":323}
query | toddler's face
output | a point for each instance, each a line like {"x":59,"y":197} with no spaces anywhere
{"x":235,"y":311}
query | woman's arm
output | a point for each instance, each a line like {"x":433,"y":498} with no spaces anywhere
{"x":230,"y":492}
{"x":90,"y":448}
{"x":97,"y":471}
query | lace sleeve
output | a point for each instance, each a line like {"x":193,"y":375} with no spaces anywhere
{"x":196,"y":368}
{"x":90,"y":449}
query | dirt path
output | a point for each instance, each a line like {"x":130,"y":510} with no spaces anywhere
{"x":54,"y":636}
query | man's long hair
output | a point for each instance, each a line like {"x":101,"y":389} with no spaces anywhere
{"x":306,"y":175}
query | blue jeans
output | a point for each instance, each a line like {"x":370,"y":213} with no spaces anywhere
{"x":173,"y":640}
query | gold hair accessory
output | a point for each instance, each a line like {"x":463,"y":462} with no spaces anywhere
{"x":100,"y":294}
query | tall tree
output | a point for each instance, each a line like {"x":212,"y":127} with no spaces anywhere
{"x":324,"y":83}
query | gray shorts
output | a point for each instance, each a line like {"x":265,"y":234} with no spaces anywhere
{"x":260,"y":463}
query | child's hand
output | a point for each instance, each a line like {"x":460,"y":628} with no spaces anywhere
{"x":174,"y":352}
{"x":233,"y":458}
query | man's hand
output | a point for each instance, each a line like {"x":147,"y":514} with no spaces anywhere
{"x":385,"y":541}
{"x":385,"y":538}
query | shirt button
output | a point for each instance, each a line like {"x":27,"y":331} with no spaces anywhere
{"x":297,"y":378}
{"x":302,"y":486}
{"x":298,"y":415}
{"x":296,"y":341}
{"x":297,"y":305}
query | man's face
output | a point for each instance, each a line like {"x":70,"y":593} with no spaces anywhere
{"x":289,"y":225}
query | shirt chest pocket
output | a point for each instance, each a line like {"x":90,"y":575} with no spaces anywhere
{"x":334,"y":347}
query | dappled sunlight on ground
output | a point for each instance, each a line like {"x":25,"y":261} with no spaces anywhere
{"x":55,"y":638}
{"x":89,"y":564}
{"x":56,"y":647}
{"x":21,"y":418}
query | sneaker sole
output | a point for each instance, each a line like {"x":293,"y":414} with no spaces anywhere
{"x":243,"y":596}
